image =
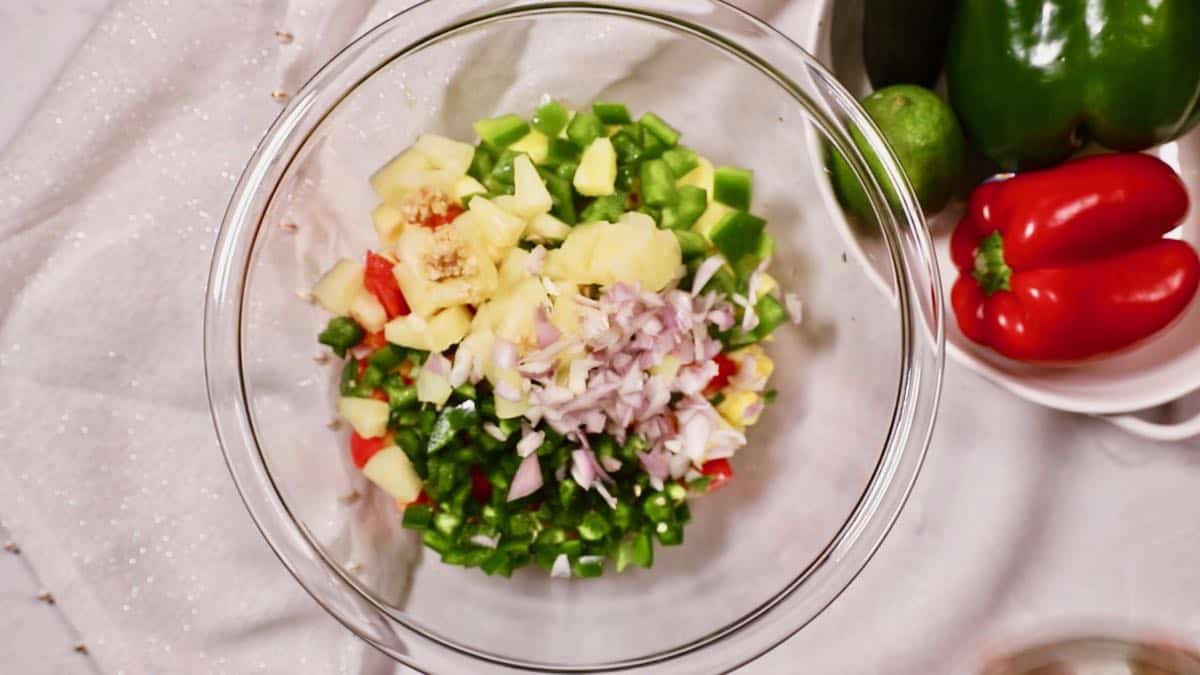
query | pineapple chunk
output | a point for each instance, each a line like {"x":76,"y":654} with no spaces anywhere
{"x":597,"y":172}
{"x":627,"y":251}
{"x":337,"y":289}
{"x":535,"y":144}
{"x":389,"y":221}
{"x":466,"y":186}
{"x":701,"y":177}
{"x":512,"y":270}
{"x":368,"y":416}
{"x":505,"y":408}
{"x":435,"y":334}
{"x":712,"y":215}
{"x":507,"y":204}
{"x":767,"y":285}
{"x":763,"y":365}
{"x":565,"y":315}
{"x":392,"y":471}
{"x":442,"y":268}
{"x":433,"y":388}
{"x":510,"y":313}
{"x":667,"y":368}
{"x":445,"y":153}
{"x":546,"y":228}
{"x":734,"y":406}
{"x":368,"y":311}
{"x":497,"y":230}
{"x":532,"y":197}
{"x":407,"y":163}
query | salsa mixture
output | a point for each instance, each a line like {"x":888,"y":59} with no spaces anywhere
{"x":558,"y":340}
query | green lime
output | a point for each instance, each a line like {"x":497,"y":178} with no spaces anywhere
{"x":925,"y":136}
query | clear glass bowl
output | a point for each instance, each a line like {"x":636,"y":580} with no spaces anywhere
{"x":828,"y":468}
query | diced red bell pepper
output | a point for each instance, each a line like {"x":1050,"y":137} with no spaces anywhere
{"x":481,"y":487}
{"x":363,"y":449}
{"x":1070,"y":263}
{"x":379,"y":395}
{"x":719,"y":472}
{"x":726,"y":368}
{"x":374,"y":340}
{"x":435,"y":220}
{"x":380,"y":281}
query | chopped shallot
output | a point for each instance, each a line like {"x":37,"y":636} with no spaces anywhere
{"x":527,"y":479}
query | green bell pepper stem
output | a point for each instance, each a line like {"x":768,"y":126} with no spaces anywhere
{"x":451,"y":420}
{"x":992,"y":273}
{"x":340,"y":334}
{"x":503,"y":131}
{"x":658,"y":183}
{"x":1125,"y":74}
{"x":612,"y":113}
{"x":550,"y":118}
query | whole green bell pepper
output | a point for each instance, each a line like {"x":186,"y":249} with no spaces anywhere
{"x":1034,"y":80}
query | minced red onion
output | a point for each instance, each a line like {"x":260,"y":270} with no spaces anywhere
{"x":494,"y":431}
{"x":360,"y":351}
{"x":795,"y":307}
{"x":437,"y":364}
{"x":484,"y":541}
{"x":561,"y":569}
{"x":535,"y":260}
{"x":705,"y":273}
{"x":504,"y":353}
{"x":464,"y":361}
{"x":530,"y":441}
{"x":527,"y":480}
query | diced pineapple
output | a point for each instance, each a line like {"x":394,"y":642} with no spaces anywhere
{"x":667,"y":368}
{"x":505,"y":408}
{"x":497,"y":229}
{"x":368,"y":311}
{"x":368,"y":416}
{"x":767,"y":285}
{"x":512,"y":269}
{"x":701,"y":177}
{"x":507,"y":204}
{"x":337,"y":288}
{"x":532,"y":197}
{"x":433,"y":388}
{"x":466,"y":186}
{"x":435,"y":334}
{"x":627,"y":251}
{"x":389,"y":221}
{"x":445,"y":153}
{"x":535,"y":144}
{"x":392,"y":471}
{"x":597,"y":172}
{"x":712,"y":215}
{"x":733,"y":408}
{"x":565,"y":315}
{"x":395,"y":178}
{"x":510,"y":313}
{"x":763,"y":365}
{"x":546,"y":228}
{"x":443,"y":268}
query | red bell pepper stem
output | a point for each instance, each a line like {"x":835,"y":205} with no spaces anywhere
{"x":1069,"y":263}
{"x":381,"y":282}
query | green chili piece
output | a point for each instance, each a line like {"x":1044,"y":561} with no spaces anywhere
{"x":658,"y":128}
{"x":561,"y":150}
{"x":340,"y":334}
{"x":657,"y":507}
{"x":593,"y":527}
{"x":681,"y":160}
{"x":612,"y":113}
{"x":669,"y":534}
{"x":387,"y":357}
{"x":584,"y":128}
{"x":593,"y":566}
{"x":503,"y":131}
{"x":608,"y":208}
{"x":550,"y":118}
{"x":451,"y":420}
{"x":417,"y":516}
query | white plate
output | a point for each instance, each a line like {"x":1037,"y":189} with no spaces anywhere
{"x":1164,"y":368}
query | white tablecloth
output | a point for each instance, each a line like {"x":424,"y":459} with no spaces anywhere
{"x":1025,"y":521}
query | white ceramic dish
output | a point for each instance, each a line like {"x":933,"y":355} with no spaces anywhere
{"x":1164,"y":369}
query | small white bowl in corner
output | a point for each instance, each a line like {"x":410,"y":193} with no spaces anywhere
{"x":1163,"y":369}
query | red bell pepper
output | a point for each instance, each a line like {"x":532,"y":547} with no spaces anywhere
{"x":380,"y":281}
{"x":719,"y":472}
{"x":363,"y":449}
{"x":1070,"y":263}
{"x":726,"y":369}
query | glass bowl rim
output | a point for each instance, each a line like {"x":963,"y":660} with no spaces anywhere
{"x":915,"y":407}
